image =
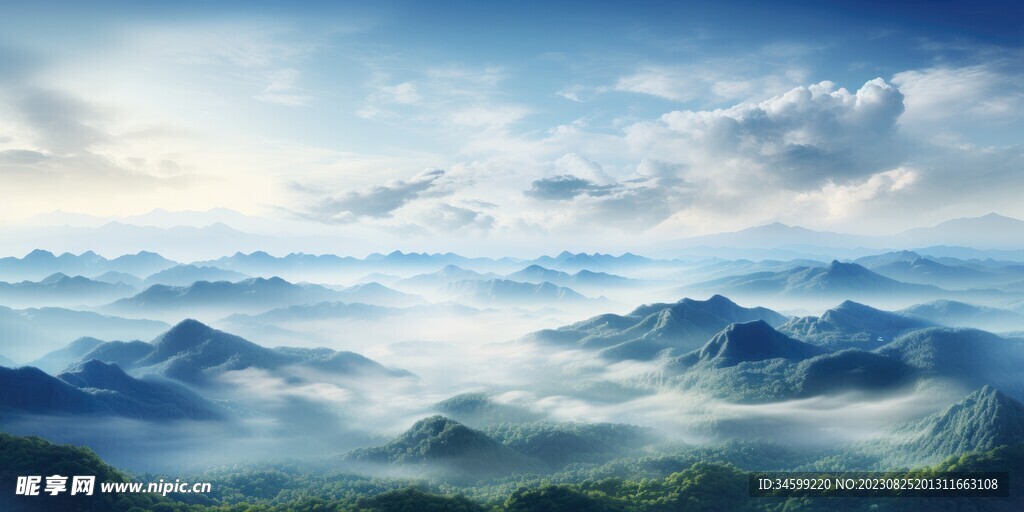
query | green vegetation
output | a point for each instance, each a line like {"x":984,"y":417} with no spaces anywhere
{"x":694,"y":480}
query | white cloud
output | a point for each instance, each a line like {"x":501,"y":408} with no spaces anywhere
{"x":492,"y":117}
{"x":797,"y":140}
{"x":403,"y":93}
{"x":281,"y":88}
{"x":714,"y":80}
{"x":840,"y":202}
{"x":971,"y":93}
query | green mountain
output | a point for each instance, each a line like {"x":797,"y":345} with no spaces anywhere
{"x":835,"y":280}
{"x":969,"y":357}
{"x":20,"y":456}
{"x":480,"y":410}
{"x":852,"y":325}
{"x":95,"y":388}
{"x":558,"y":444}
{"x":952,"y":313}
{"x":985,"y":419}
{"x":60,"y":359}
{"x":194,"y":353}
{"x":31,"y":333}
{"x":748,"y":342}
{"x":651,"y":329}
{"x":444,"y":445}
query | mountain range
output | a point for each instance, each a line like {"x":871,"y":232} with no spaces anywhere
{"x":651,"y":329}
{"x":219,"y":298}
{"x":62,"y":290}
{"x":952,"y":313}
{"x":184,"y":275}
{"x":39,"y":264}
{"x":991,"y":231}
{"x":502,"y":292}
{"x":196,"y":354}
{"x":96,"y":388}
{"x":836,"y":280}
{"x":853,"y":325}
{"x":29,"y":333}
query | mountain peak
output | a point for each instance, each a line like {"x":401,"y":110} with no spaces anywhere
{"x":983,"y":420}
{"x":38,"y":254}
{"x":188,"y":328}
{"x":720,"y":300}
{"x":753,"y":341}
{"x":55,"y":278}
{"x":95,"y":374}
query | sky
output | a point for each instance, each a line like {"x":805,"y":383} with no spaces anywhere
{"x":484,"y":123}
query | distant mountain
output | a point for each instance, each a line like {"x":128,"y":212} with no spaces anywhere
{"x":121,"y":353}
{"x":748,"y":342}
{"x":96,"y":388}
{"x":969,"y":357}
{"x":184,"y":275}
{"x":444,"y":445}
{"x":878,"y":260}
{"x":194,"y":353}
{"x":849,"y":370}
{"x":30,"y":333}
{"x":481,"y":409}
{"x":8,"y":363}
{"x":298,"y":264}
{"x":650,"y":329}
{"x":836,"y":280}
{"x":985,"y":419}
{"x":220,"y":298}
{"x":992,"y":231}
{"x":751,"y":362}
{"x":164,"y":397}
{"x":183,"y":243}
{"x":777,"y":235}
{"x":729,"y":268}
{"x":501,"y":292}
{"x":570,"y":262}
{"x":447,"y":274}
{"x":62,"y":290}
{"x":583,"y":280}
{"x":314,"y":312}
{"x":960,"y":314}
{"x":59,"y":360}
{"x":926,"y":271}
{"x":340,"y":363}
{"x":114,"y":277}
{"x":378,"y":295}
{"x":853,"y":325}
{"x":39,"y":263}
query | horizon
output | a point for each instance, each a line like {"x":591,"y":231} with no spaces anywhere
{"x":512,"y":256}
{"x":656,"y":121}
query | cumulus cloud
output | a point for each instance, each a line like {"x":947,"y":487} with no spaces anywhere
{"x":446,"y":218}
{"x":576,"y":165}
{"x":565,"y":186}
{"x":376,"y":201}
{"x":717,"y":79}
{"x":981,"y":92}
{"x":799,"y":140}
{"x":839,"y":201}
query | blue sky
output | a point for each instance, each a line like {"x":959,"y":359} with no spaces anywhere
{"x":541,"y":121}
